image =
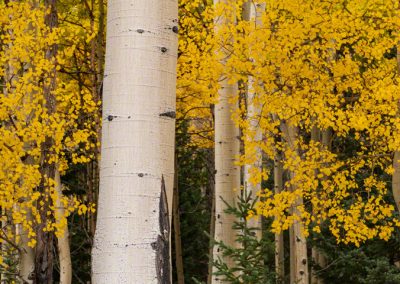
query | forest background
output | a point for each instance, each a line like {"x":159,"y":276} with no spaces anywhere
{"x":309,"y":94}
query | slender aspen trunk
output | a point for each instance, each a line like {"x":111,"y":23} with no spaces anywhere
{"x":95,"y":60}
{"x":227,"y":178}
{"x":396,"y":185}
{"x":227,"y":147}
{"x":297,"y":238}
{"x":26,"y":254}
{"x":316,"y":137}
{"x":326,"y":140}
{"x":212,"y":237}
{"x":133,"y":229}
{"x":177,"y":230}
{"x":396,"y":157}
{"x":292,"y":256}
{"x":251,"y":13}
{"x":44,"y":249}
{"x":396,"y":179}
{"x":324,"y":137}
{"x":279,"y":241}
{"x":211,"y":162}
{"x":64,"y":253}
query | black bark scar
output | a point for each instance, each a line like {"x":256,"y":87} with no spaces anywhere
{"x":170,"y":114}
{"x":162,"y":246}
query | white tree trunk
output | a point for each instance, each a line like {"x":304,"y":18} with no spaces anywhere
{"x":252,"y":13}
{"x":26,"y":261}
{"x":64,"y":252}
{"x":227,"y":177}
{"x":26,"y":254}
{"x":279,"y":240}
{"x":136,"y":168}
{"x":298,"y":242}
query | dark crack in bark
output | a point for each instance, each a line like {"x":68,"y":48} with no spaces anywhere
{"x":162,"y":247}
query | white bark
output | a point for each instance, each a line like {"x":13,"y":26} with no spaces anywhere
{"x":26,"y":254}
{"x":298,"y":242}
{"x":64,"y":252}
{"x":279,"y":240}
{"x":26,"y":261}
{"x":132,"y":232}
{"x":252,"y":13}
{"x":227,"y":177}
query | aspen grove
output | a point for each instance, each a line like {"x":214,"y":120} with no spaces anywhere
{"x":200,"y":141}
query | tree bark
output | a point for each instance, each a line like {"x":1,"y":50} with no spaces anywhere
{"x":211,"y":162}
{"x":251,"y":12}
{"x":396,"y":157}
{"x":177,"y":230}
{"x":316,"y":137}
{"x":227,"y":147}
{"x":44,"y":248}
{"x":64,"y":253}
{"x":26,"y":254}
{"x":133,"y":224}
{"x":279,"y":241}
{"x":396,"y":179}
{"x":297,"y":239}
{"x":26,"y":261}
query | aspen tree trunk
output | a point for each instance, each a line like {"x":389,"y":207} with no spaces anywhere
{"x":227,"y":178}
{"x":211,"y":165}
{"x":279,"y":241}
{"x":327,"y":143}
{"x":396,"y":157}
{"x":177,"y":230}
{"x":64,"y":253}
{"x":279,"y":238}
{"x":292,"y":256}
{"x":133,"y":225}
{"x":323,"y":136}
{"x":315,"y":136}
{"x":26,"y":254}
{"x":44,"y":247}
{"x":396,"y":179}
{"x":297,"y":240}
{"x":97,"y":63}
{"x":396,"y":185}
{"x":252,"y":13}
{"x":227,"y":147}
